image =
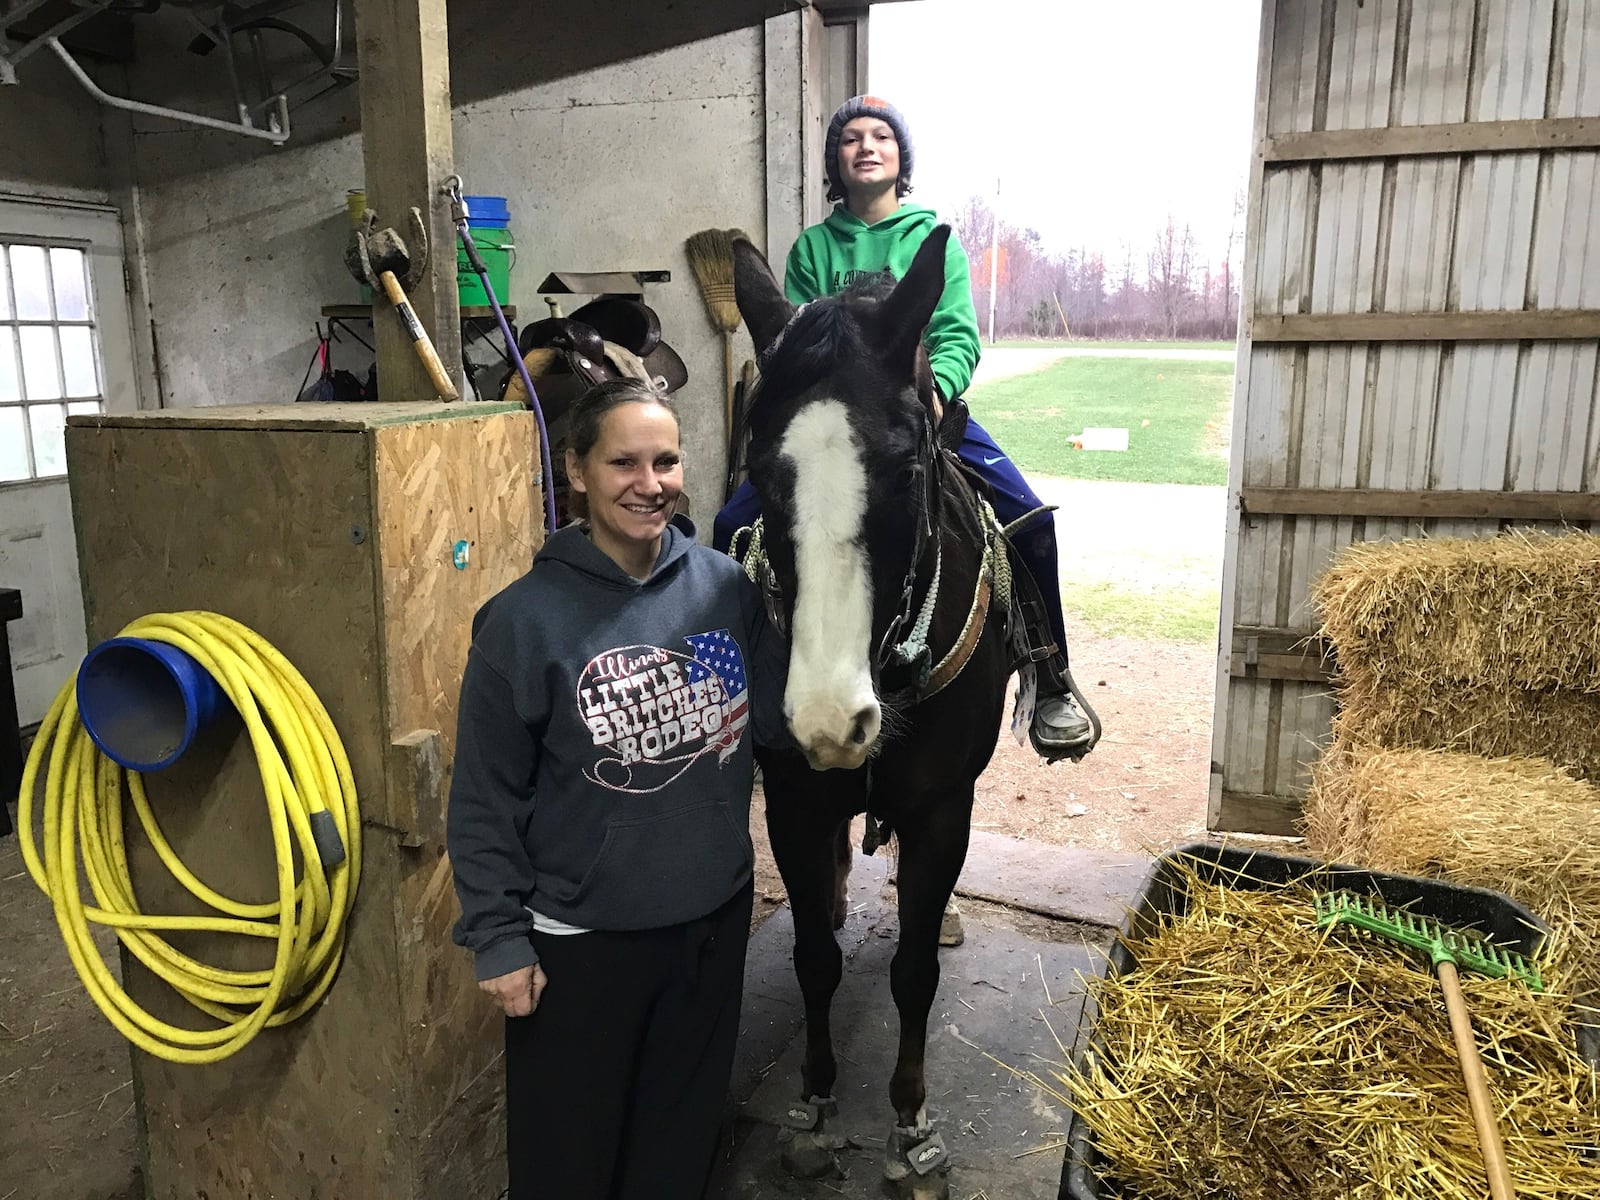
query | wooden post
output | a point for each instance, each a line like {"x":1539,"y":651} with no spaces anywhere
{"x":403,"y":52}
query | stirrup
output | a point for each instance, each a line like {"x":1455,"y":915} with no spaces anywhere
{"x":1055,"y":754}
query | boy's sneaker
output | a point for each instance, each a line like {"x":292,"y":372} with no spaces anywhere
{"x":1059,"y":730}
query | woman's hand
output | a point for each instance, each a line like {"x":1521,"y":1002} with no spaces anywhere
{"x":518,"y":993}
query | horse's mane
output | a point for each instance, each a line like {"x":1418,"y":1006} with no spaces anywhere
{"x":817,"y":336}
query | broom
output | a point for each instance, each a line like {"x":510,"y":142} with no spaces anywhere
{"x":711,"y":259}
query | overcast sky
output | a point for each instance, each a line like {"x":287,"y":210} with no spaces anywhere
{"x":1098,"y":116}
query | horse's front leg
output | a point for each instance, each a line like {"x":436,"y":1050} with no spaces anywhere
{"x":932,"y":850}
{"x":805,"y":846}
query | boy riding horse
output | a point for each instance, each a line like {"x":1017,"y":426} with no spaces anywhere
{"x":869,"y":160}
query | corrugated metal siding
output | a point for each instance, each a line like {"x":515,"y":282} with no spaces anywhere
{"x":1465,"y":232}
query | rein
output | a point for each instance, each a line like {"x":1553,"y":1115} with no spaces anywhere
{"x":914,"y":652}
{"x":993,"y":585}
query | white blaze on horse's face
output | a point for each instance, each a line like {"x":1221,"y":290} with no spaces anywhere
{"x":833,"y":710}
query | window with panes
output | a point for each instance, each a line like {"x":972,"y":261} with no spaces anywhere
{"x":49,"y":355}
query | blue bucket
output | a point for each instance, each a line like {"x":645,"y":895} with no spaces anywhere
{"x":142,"y":701}
{"x":487,"y":212}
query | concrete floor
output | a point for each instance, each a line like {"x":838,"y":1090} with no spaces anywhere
{"x":1018,"y":965}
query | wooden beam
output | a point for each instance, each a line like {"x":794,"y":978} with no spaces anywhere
{"x":403,"y":52}
{"x":1251,"y":812}
{"x":1411,"y":141}
{"x":1420,"y":504}
{"x":1292,"y":667}
{"x":1515,"y":326}
{"x":1265,"y":652}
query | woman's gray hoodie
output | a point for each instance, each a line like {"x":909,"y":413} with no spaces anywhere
{"x":603,"y":758}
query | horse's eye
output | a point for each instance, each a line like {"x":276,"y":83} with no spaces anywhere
{"x":906,"y":477}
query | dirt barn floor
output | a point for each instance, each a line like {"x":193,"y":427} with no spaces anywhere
{"x":66,"y":1100}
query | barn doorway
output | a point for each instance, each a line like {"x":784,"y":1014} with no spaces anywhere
{"x":1101,"y":203}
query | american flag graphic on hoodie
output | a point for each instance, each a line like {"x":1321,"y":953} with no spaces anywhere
{"x":718,"y":653}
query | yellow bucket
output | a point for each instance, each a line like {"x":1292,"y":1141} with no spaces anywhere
{"x":355,"y":203}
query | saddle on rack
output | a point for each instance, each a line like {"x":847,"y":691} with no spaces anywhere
{"x":612,"y":337}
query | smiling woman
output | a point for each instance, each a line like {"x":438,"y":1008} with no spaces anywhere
{"x":599,"y":819}
{"x":625,"y":464}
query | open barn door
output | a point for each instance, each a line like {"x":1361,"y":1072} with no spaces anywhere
{"x":1420,"y":331}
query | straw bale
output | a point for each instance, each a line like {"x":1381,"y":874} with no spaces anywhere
{"x":1520,"y":610}
{"x":1420,"y":712}
{"x":1518,"y":825}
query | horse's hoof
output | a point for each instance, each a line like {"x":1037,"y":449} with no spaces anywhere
{"x":931,"y":1187}
{"x":916,"y":1162}
{"x":808,"y":1150}
{"x":811,"y":1155}
{"x":950,"y":931}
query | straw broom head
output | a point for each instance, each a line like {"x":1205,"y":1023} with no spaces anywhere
{"x":711,"y":259}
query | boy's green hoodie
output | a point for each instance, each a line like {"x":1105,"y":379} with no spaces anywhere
{"x":831,"y":256}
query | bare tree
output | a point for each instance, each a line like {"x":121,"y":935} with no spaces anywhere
{"x":1171,"y":271}
{"x":1235,"y":235}
{"x":1167,"y":291}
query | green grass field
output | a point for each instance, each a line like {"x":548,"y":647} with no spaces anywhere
{"x":1091,"y":344}
{"x":1176,"y":414}
{"x":1179,"y":614}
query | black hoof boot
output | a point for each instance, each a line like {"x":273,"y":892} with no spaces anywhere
{"x":917,"y":1164}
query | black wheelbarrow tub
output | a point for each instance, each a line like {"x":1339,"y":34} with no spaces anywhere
{"x":1495,"y":915}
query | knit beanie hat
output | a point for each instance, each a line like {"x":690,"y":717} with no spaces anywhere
{"x":867,"y":106}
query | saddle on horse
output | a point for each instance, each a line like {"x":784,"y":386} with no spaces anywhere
{"x":1028,"y":629}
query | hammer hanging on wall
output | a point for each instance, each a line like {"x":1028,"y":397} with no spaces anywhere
{"x":379,"y":258}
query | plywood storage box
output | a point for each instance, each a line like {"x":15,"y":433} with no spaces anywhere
{"x":332,"y":530}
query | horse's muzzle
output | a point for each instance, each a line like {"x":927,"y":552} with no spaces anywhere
{"x":834,"y":736}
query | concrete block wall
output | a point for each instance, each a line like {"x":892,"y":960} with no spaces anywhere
{"x":613,"y":141}
{"x":50,"y":136}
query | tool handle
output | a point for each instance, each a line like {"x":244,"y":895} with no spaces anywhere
{"x":420,"y":340}
{"x":1489,"y":1143}
{"x":727,"y":384}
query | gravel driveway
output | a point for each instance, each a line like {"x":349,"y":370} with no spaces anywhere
{"x":1150,"y":536}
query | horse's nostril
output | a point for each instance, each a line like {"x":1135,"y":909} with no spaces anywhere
{"x":858,"y":731}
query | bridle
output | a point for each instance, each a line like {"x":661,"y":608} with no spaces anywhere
{"x":748,"y":546}
{"x":751,"y":553}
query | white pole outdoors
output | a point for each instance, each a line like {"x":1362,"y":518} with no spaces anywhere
{"x":994,"y":257}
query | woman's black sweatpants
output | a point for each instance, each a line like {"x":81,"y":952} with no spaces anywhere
{"x":615,"y":1085}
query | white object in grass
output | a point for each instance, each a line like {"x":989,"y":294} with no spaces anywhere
{"x":1100,"y":439}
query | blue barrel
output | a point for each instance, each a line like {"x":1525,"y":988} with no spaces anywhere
{"x":143,"y":701}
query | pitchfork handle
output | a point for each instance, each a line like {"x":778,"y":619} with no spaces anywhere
{"x":1489,"y":1143}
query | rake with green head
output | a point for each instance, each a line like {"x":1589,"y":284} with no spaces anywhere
{"x":1447,"y":949}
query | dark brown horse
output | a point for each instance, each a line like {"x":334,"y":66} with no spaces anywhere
{"x":883,"y":563}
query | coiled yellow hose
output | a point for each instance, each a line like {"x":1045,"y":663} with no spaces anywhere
{"x":82,"y":809}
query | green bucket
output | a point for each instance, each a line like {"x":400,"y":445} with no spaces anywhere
{"x":499,"y":254}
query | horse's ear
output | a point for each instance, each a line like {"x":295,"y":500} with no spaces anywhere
{"x":910,"y":306}
{"x":761,"y":301}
